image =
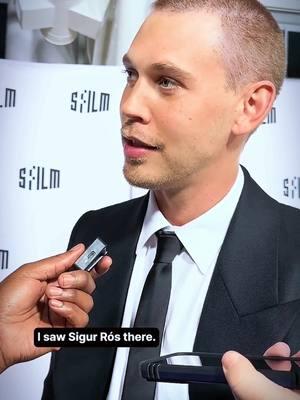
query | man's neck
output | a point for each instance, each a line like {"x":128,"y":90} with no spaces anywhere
{"x":180,"y":206}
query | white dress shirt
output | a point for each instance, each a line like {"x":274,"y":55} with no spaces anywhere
{"x":192,"y":270}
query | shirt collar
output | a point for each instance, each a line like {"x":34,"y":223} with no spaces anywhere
{"x":154,"y":220}
{"x":201,"y":237}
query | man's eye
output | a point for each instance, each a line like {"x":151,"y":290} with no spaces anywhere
{"x":131,"y":74}
{"x":167,"y":83}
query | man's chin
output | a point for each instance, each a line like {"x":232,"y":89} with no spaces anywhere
{"x":139,"y":180}
{"x":145,"y":177}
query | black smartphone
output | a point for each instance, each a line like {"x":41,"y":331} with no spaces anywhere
{"x":207,"y":368}
{"x":92,"y":255}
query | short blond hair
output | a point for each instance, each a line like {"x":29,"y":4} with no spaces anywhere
{"x":253,"y":46}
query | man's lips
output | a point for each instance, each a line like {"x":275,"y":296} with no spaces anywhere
{"x":136,"y":148}
{"x":134,"y":142}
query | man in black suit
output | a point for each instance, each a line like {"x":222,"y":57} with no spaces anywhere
{"x":201,"y":77}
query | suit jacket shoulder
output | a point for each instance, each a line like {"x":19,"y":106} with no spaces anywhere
{"x":277,"y":228}
{"x":109,"y":222}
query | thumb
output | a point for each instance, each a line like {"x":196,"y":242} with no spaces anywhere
{"x":52,"y":267}
{"x":247,"y":383}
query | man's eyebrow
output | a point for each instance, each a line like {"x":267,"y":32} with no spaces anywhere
{"x":169,"y":68}
{"x":164,"y":68}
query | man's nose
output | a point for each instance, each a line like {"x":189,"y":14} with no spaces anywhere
{"x":135,"y":104}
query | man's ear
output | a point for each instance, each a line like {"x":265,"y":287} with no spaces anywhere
{"x":255,"y":104}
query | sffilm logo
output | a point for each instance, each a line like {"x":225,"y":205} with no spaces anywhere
{"x":90,"y":101}
{"x":39,"y":178}
{"x":272,"y":117}
{"x":292,"y":187}
{"x":9,"y":98}
{"x":4,"y":259}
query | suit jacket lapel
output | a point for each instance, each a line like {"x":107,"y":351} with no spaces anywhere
{"x":245,"y":280}
{"x":240,"y":310}
{"x":121,"y":247}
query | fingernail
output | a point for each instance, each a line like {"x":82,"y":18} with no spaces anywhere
{"x":102,"y":271}
{"x":105,"y":270}
{"x":230,"y":358}
{"x":76,"y":247}
{"x":55,"y":291}
{"x":56,"y":303}
{"x":68,"y":280}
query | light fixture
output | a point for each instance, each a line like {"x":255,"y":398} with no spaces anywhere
{"x":61,"y":20}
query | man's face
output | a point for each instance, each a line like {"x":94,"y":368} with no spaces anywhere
{"x":176,"y":110}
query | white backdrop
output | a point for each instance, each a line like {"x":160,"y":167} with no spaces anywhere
{"x":39,"y":129}
{"x":85,"y":147}
{"x":272,"y":153}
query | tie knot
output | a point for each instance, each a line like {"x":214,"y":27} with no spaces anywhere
{"x":168,"y":246}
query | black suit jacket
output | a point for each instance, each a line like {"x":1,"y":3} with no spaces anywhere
{"x":252,"y":302}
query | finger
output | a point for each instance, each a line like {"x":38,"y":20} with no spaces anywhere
{"x":52,"y":267}
{"x":45,"y":317}
{"x":279,"y":349}
{"x":56,"y":320}
{"x":101,"y":267}
{"x":77,"y":280}
{"x":40,"y":352}
{"x":248,"y":384}
{"x":75,"y":316}
{"x":78,"y":297}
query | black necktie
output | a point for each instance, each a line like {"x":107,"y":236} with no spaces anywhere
{"x":151,"y":313}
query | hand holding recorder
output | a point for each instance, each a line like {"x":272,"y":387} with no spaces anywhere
{"x":254,"y":377}
{"x":249,"y":384}
{"x":43,"y":295}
